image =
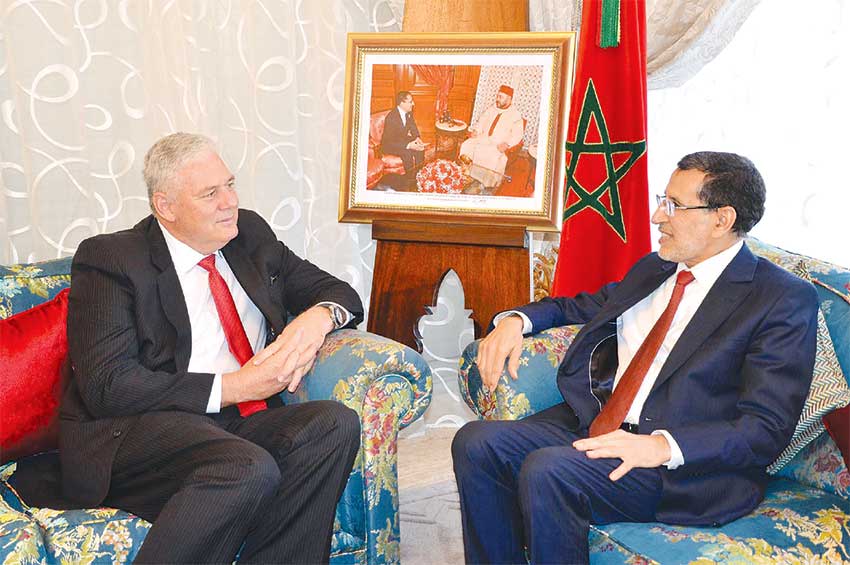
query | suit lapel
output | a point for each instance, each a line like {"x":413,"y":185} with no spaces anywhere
{"x":252,"y":282}
{"x":634,"y":289}
{"x":170,"y":295}
{"x":727,"y":294}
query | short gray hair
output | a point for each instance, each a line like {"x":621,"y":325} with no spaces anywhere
{"x":168,"y":155}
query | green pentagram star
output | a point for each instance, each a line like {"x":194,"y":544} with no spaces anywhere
{"x":591,"y":198}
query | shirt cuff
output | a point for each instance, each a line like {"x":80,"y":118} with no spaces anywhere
{"x":214,"y":404}
{"x":346,"y":315}
{"x":676,"y":457}
{"x":526,"y":323}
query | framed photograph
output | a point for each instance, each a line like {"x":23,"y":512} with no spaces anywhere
{"x":460,"y":128}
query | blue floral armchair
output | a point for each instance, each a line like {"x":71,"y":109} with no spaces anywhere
{"x":387,"y":383}
{"x":805,"y":516}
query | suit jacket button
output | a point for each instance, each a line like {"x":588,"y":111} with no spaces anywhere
{"x":116,"y":433}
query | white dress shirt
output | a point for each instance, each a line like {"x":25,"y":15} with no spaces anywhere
{"x":635,"y":324}
{"x":210,"y":352}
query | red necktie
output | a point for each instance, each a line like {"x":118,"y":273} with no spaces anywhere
{"x":493,"y":125}
{"x":234,"y":332}
{"x":615,"y":410}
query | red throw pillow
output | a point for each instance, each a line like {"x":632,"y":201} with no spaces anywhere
{"x":33,"y":372}
{"x":837,"y":424}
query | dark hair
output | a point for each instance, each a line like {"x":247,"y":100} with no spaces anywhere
{"x":402,"y":94}
{"x":730,"y":180}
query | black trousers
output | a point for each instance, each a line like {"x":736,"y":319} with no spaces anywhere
{"x":268,"y":484}
{"x":412,"y":160}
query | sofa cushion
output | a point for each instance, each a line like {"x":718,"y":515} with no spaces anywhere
{"x":33,"y":354}
{"x":838,"y":425}
{"x":794,"y":524}
{"x":92,"y":535}
{"x":26,"y":285}
{"x":819,"y":465}
{"x":20,"y":537}
{"x":42,"y":535}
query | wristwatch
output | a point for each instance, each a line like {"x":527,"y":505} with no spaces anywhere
{"x":337,"y":314}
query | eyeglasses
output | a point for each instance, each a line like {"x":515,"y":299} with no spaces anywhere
{"x":670,"y":207}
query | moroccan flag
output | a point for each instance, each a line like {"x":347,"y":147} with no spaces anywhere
{"x":606,"y":210}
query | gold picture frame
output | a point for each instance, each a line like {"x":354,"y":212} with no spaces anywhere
{"x":456,"y":83}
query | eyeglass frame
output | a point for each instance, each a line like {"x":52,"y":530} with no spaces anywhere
{"x":670,"y":207}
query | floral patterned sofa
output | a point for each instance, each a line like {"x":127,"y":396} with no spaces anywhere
{"x":805,"y":516}
{"x":387,"y":383}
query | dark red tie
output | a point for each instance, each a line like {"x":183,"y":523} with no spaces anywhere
{"x":615,"y":410}
{"x":493,"y":125}
{"x":234,"y":332}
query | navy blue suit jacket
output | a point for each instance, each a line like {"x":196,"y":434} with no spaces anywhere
{"x":731,"y":390}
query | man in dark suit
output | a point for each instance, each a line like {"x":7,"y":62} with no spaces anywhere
{"x":710,"y":353}
{"x":401,"y":137}
{"x":180,"y":345}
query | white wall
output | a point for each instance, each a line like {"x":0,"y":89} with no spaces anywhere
{"x":780,"y":95}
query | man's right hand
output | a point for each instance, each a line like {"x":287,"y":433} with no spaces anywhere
{"x":416,"y":145}
{"x":504,"y":342}
{"x":254,"y":382}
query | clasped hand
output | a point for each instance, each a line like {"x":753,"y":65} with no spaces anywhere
{"x":416,"y":145}
{"x":281,"y":364}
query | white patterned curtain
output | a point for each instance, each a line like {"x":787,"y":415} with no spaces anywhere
{"x":681,"y":37}
{"x":87,"y":86}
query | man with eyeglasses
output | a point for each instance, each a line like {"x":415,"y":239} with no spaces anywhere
{"x":180,"y":345}
{"x":685,"y":382}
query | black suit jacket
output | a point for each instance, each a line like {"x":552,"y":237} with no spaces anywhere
{"x":396,"y":137}
{"x":731,"y":390}
{"x":129,"y":335}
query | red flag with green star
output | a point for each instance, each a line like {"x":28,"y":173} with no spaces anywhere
{"x":606,"y":207}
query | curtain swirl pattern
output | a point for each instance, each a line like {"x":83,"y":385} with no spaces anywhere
{"x":87,"y":86}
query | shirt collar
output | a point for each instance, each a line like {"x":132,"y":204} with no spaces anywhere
{"x":183,"y":256}
{"x":708,"y":271}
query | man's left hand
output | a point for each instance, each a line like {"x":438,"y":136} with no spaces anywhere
{"x":635,"y":450}
{"x":299,"y":343}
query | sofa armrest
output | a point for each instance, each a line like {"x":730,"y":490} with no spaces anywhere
{"x":351,"y":362}
{"x":536,"y":387}
{"x":389,"y":386}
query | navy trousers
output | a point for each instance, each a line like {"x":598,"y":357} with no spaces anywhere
{"x":523,"y":487}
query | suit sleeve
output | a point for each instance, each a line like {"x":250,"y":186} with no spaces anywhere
{"x":299,"y":284}
{"x":103,"y":316}
{"x":306,"y":285}
{"x":554,"y":312}
{"x":775,"y":379}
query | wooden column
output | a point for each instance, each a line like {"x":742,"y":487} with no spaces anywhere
{"x":465,"y":15}
{"x":412,"y":258}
